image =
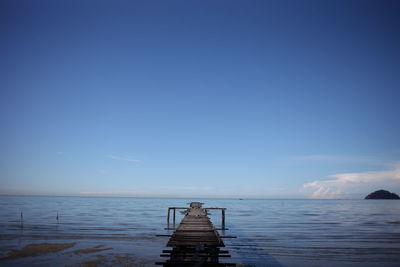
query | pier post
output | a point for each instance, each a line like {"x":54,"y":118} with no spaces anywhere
{"x":174,"y":216}
{"x":223,"y":218}
{"x":168,"y":215}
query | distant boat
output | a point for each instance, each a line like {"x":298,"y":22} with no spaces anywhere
{"x":240,"y":198}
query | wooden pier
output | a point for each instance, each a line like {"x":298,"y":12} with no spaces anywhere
{"x":196,"y":242}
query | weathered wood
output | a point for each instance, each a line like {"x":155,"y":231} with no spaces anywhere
{"x":168,"y":215}
{"x":195,"y":242}
{"x":174,"y":208}
{"x":223,"y":218}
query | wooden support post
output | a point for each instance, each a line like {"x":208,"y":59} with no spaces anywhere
{"x":174,"y":215}
{"x":223,"y":218}
{"x":168,"y":215}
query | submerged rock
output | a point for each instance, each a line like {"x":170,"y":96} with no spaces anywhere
{"x":382,"y":194}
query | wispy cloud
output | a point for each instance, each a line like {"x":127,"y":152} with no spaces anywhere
{"x":60,"y":153}
{"x":195,"y":191}
{"x":348,"y":184}
{"x":339,"y":158}
{"x":315,"y":157}
{"x":123,"y":158}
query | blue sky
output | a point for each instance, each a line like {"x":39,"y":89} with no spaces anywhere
{"x":199,"y":98}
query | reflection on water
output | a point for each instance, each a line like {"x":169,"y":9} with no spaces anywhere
{"x":269,"y":232}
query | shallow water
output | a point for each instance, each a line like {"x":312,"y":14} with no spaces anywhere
{"x":269,"y":232}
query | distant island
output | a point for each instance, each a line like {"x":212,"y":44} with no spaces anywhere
{"x":382,"y":194}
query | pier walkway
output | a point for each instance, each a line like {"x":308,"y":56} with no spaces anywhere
{"x":196,"y":242}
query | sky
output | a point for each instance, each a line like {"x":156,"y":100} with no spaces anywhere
{"x":257,"y":99}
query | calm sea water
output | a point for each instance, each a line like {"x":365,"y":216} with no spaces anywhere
{"x":269,"y":232}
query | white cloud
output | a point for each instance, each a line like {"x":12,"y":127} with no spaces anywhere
{"x":354,"y":184}
{"x":123,"y":158}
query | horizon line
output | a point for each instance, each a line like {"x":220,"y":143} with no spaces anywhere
{"x":174,"y":197}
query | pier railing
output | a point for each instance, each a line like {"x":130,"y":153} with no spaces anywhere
{"x":183,"y":208}
{"x":195,"y":242}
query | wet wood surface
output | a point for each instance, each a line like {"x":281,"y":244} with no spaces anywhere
{"x":195,"y":242}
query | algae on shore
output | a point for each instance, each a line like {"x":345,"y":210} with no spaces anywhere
{"x":91,"y":250}
{"x":38,"y":249}
{"x":100,"y":260}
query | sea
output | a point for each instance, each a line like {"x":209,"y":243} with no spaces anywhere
{"x":106,"y":231}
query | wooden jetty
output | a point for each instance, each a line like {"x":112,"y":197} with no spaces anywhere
{"x":196,"y":242}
